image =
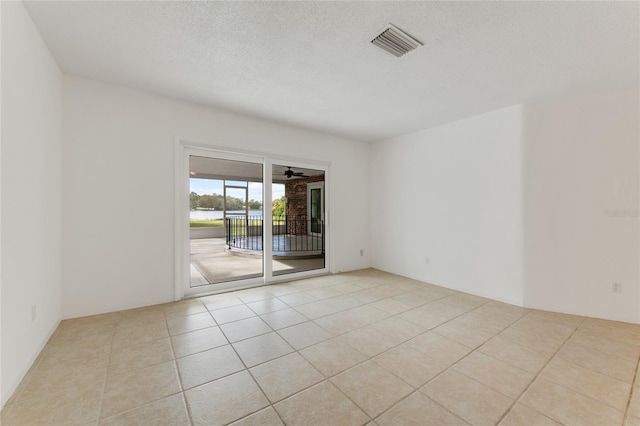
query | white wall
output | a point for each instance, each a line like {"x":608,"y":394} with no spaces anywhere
{"x":118,"y":189}
{"x":517,"y":205}
{"x":31,"y":194}
{"x":452,"y":193}
{"x":581,"y":160}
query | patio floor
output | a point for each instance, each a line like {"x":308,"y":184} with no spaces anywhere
{"x":211,"y":263}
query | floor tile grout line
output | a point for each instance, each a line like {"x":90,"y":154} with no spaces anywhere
{"x":476,"y":349}
{"x":452,"y":366}
{"x":128,"y":410}
{"x":365,"y":303}
{"x":607,"y":355}
{"x":577,"y":330}
{"x":636,"y":380}
{"x":584,"y":394}
{"x":175,"y":360}
{"x":535,"y":378}
{"x":106,"y":376}
{"x":589,"y":334}
{"x":449,"y":368}
{"x":326,"y":379}
{"x":14,"y":399}
{"x":416,"y":389}
{"x":368,"y":358}
{"x":112,"y":333}
{"x":390,"y":315}
{"x":246,"y":368}
{"x":370,"y":418}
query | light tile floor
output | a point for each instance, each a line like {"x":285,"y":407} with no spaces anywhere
{"x":364,"y":347}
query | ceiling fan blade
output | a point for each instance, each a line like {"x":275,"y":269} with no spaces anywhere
{"x":290,"y":173}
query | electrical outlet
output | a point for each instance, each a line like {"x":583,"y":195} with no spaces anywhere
{"x":33,"y":312}
{"x":616,"y":287}
{"x":361,"y":252}
{"x":427,"y":260}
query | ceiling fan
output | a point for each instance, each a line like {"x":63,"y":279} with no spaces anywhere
{"x":289,"y":173}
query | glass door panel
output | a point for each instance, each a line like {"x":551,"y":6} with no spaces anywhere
{"x":225,"y":221}
{"x":316,"y":210}
{"x":298,"y":219}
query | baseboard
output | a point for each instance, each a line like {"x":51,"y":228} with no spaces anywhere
{"x":108,"y":309}
{"x":471,"y":291}
{"x":586,"y":314}
{"x":7,"y":395}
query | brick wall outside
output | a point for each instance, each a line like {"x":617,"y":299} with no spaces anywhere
{"x":296,"y":192}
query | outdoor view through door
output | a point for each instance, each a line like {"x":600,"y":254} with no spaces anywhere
{"x":225,"y":198}
{"x":227,"y":226}
{"x":298,"y":219}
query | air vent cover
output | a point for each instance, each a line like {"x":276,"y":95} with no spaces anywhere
{"x":395,"y":41}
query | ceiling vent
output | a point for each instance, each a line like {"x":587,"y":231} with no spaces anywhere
{"x":395,"y":41}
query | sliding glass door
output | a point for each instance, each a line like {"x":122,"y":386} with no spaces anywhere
{"x":251,"y":220}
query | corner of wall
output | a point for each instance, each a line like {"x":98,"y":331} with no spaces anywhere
{"x":31,"y":306}
{"x":582,"y":197}
{"x":447,"y":205}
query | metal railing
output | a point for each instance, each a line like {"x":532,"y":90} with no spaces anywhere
{"x":244,"y":232}
{"x":290,"y":234}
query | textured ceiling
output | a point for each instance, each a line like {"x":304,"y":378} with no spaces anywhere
{"x":310,"y":64}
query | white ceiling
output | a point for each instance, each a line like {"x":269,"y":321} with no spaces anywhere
{"x":311,"y":64}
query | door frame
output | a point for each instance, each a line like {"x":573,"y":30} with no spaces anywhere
{"x":183,"y":149}
{"x":310,"y":187}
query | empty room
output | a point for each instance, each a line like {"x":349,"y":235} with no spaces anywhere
{"x":320,"y":213}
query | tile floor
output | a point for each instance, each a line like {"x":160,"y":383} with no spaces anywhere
{"x":357,"y":348}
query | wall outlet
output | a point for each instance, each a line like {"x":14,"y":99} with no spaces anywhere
{"x":427,"y":260}
{"x":361,"y":252}
{"x":33,"y":312}
{"x":616,"y":287}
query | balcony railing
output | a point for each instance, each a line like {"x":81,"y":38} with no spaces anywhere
{"x":290,"y":234}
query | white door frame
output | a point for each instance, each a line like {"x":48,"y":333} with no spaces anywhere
{"x":184,"y":148}
{"x":311,"y":186}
